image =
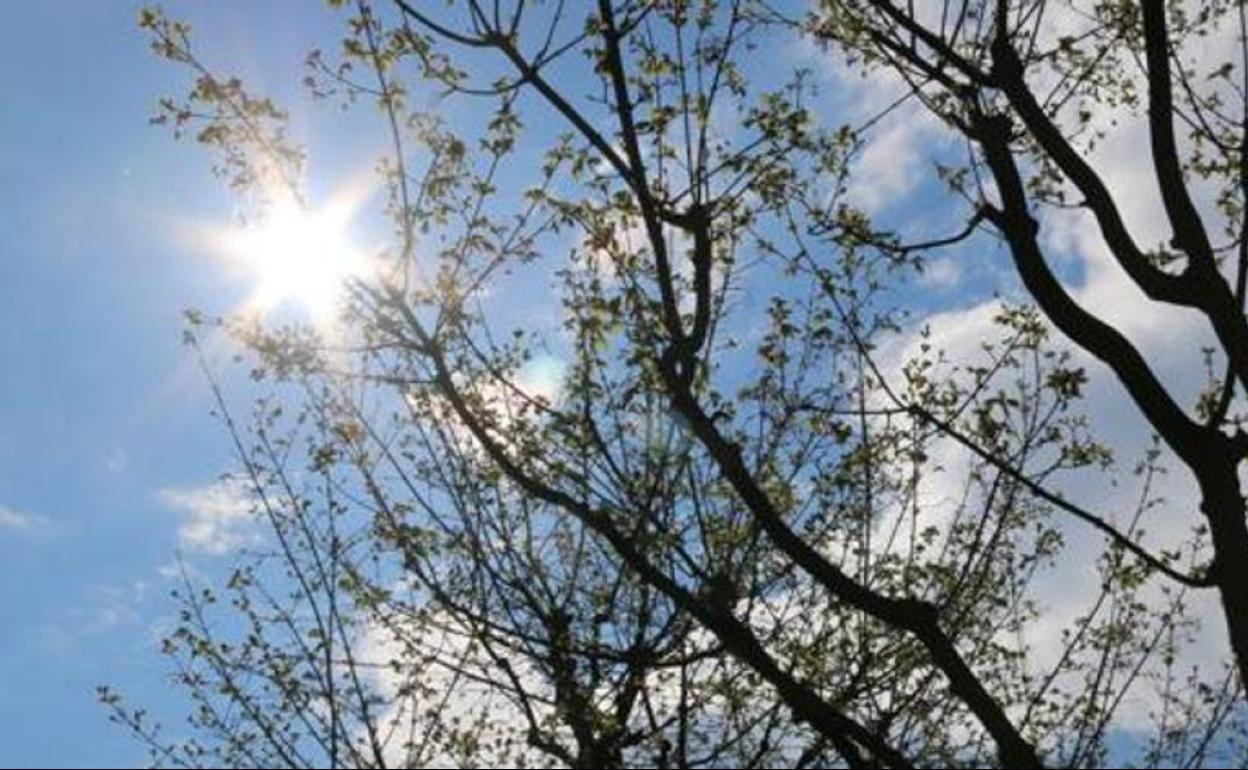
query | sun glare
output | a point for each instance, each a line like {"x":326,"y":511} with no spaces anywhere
{"x":297,"y":257}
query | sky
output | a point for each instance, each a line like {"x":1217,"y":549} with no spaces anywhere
{"x":109,"y":457}
{"x":107,"y":447}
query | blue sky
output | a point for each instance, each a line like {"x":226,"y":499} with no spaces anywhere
{"x":102,"y":417}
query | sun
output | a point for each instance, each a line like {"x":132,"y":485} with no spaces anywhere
{"x":297,"y":258}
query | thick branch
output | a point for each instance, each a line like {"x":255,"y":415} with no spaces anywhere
{"x":1189,"y":231}
{"x":1156,"y":283}
{"x":1188,"y":439}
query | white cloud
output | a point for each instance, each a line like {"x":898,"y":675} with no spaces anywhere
{"x":219,"y":516}
{"x":891,"y":164}
{"x":13,"y":519}
{"x":406,"y":660}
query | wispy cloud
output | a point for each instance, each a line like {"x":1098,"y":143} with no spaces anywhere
{"x":117,"y":460}
{"x":13,"y":519}
{"x":943,"y":273}
{"x":218,"y":516}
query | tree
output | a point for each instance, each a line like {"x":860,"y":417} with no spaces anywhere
{"x":1032,"y":97}
{"x":707,"y":537}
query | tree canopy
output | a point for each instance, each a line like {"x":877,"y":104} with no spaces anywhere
{"x":635,"y":447}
